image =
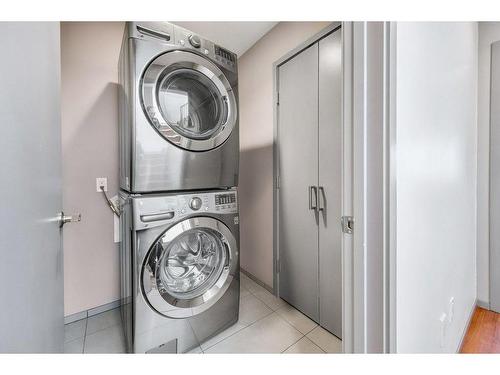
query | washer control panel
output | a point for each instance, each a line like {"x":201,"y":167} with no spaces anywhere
{"x":157,"y":210}
{"x":220,"y":202}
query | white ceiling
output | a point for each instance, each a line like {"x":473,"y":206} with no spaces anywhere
{"x":237,"y":37}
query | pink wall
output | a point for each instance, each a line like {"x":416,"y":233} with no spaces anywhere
{"x":89,"y":58}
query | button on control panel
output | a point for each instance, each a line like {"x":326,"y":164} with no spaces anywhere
{"x":194,"y":41}
{"x":195,"y":203}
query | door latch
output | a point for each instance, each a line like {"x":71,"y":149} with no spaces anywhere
{"x":63,"y":219}
{"x":347,"y":224}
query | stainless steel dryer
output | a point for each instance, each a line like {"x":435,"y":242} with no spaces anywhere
{"x":178,"y":111}
{"x":179,"y":268}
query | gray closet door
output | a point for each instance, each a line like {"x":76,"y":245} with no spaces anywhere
{"x":495,"y":178}
{"x":330,"y":183}
{"x":298,"y":168}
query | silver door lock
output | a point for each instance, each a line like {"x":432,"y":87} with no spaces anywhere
{"x":63,"y":219}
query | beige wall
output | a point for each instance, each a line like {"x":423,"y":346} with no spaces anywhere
{"x":256,"y":142}
{"x":89,"y":57}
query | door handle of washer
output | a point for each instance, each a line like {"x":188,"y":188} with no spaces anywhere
{"x":321,"y":198}
{"x":157,"y":217}
{"x":313,"y":203}
{"x":225,"y":99}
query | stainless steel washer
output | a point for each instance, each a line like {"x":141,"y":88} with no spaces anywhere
{"x":178,"y":111}
{"x":179,"y":268}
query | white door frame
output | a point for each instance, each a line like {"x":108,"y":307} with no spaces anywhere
{"x":373,"y":188}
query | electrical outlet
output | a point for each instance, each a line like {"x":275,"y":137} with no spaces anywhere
{"x":443,"y":322}
{"x":451,"y":309}
{"x":101,"y":181}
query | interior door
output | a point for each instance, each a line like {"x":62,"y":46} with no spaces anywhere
{"x":298,"y":173}
{"x":495,"y":178}
{"x":330,"y":183}
{"x":31,"y":268}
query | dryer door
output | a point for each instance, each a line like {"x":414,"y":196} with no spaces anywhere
{"x":188,"y":100}
{"x":189,"y":267}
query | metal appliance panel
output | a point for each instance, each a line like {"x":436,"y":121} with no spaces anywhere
{"x":127,"y":237}
{"x":31,"y":266}
{"x":330,"y":183}
{"x":149,"y":330}
{"x":495,"y":178}
{"x":150,"y":163}
{"x":298,"y":173}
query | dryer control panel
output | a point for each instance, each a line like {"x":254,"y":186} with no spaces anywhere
{"x":171,"y":34}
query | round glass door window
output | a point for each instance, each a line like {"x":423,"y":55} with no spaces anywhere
{"x":188,"y":100}
{"x":190,"y":265}
{"x":191,"y":104}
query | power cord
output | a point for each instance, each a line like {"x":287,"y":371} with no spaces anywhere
{"x":111,"y":205}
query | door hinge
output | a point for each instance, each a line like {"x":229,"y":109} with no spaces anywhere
{"x":278,"y":182}
{"x":278,"y":266}
{"x":347,"y":224}
{"x":277,"y":98}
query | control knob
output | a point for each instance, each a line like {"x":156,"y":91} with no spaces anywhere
{"x":195,"y":203}
{"x":194,"y":40}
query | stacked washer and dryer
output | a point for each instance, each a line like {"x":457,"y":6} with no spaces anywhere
{"x":179,"y":153}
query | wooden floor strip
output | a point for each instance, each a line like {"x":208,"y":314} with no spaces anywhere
{"x":483,"y":334}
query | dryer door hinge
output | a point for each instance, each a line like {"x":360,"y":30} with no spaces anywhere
{"x":347,"y":224}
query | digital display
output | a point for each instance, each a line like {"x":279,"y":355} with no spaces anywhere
{"x":225,"y":199}
{"x":224,"y":54}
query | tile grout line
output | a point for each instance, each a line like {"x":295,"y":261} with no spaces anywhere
{"x":290,"y":324}
{"x":263,"y":317}
{"x":218,"y":342}
{"x":85,"y":335}
{"x":292,"y":344}
{"x":256,"y":296}
{"x":102,"y":329}
{"x":308,"y":332}
{"x":282,"y":318}
{"x":251,"y":324}
{"x":305,"y":334}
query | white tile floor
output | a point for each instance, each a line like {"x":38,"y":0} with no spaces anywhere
{"x":267,"y":325}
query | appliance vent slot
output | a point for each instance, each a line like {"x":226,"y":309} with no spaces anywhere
{"x":153,"y":33}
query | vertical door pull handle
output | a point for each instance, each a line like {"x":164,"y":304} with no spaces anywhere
{"x":321,"y":198}
{"x":313,"y":198}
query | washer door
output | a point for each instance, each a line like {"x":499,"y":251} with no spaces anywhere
{"x":189,"y":267}
{"x":188,"y":100}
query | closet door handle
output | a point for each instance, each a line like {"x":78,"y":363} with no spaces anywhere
{"x":313,"y":201}
{"x":321,"y":198}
